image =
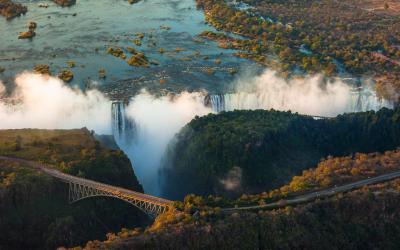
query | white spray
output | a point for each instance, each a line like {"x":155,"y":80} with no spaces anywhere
{"x":45,"y":102}
{"x":157,"y":121}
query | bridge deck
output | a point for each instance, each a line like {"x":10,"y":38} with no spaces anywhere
{"x":94,"y":184}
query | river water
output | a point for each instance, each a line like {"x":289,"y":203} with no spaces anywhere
{"x":82,"y":33}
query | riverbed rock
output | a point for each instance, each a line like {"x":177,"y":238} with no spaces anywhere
{"x":71,"y":64}
{"x":26,"y":34}
{"x":43,"y":5}
{"x":10,"y":10}
{"x":133,"y":1}
{"x":30,"y":33}
{"x":66,"y":75}
{"x":131,"y":50}
{"x":137,"y":42}
{"x":65,"y":3}
{"x":43,"y":69}
{"x":117,"y":52}
{"x":32,"y":26}
{"x":102,"y":74}
{"x":139,"y":35}
{"x":138,"y":60}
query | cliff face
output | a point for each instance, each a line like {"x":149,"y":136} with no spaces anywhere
{"x":253,"y":151}
{"x":34,"y":209}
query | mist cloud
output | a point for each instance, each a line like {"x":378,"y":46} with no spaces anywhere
{"x":233,"y":180}
{"x":307,"y":95}
{"x":158,"y":120}
{"x":46,"y":102}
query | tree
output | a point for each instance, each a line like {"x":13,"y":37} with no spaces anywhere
{"x":18,"y":143}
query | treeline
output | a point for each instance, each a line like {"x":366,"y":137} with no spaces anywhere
{"x":34,"y":208}
{"x":333,"y":171}
{"x":268,"y":147}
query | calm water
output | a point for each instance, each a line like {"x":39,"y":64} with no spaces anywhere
{"x":100,"y":24}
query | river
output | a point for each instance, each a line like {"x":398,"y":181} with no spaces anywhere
{"x":82,"y":33}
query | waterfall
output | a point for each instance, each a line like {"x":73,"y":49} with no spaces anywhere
{"x":124,"y":129}
{"x":357,"y":100}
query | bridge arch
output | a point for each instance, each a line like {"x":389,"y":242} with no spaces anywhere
{"x":79,"y":191}
{"x":81,"y":188}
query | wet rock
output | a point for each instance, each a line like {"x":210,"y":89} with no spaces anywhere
{"x":102,"y":73}
{"x":137,"y":42}
{"x":131,"y":50}
{"x":153,"y":62}
{"x":65,"y":3}
{"x":71,"y":64}
{"x":139,"y":35}
{"x":2,"y":70}
{"x":43,"y":69}
{"x":32,"y":26}
{"x":117,"y":52}
{"x":43,"y":5}
{"x":138,"y":60}
{"x":163,"y":27}
{"x":210,"y":71}
{"x":26,"y":35}
{"x":10,"y":10}
{"x":66,"y":75}
{"x":30,"y":33}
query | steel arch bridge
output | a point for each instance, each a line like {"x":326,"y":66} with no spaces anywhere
{"x":81,"y":188}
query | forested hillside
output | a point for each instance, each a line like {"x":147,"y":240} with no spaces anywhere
{"x":367,"y":218}
{"x":34,"y":209}
{"x":253,"y":151}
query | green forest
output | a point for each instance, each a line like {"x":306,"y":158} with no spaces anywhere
{"x":269,"y":148}
{"x":367,"y":218}
{"x":34,"y":208}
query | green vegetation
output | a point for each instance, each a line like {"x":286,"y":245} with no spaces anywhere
{"x":34,"y":209}
{"x":330,"y":172}
{"x":341,"y":222}
{"x":66,"y":75}
{"x":334,"y":34}
{"x":253,"y":151}
{"x":117,"y":52}
{"x":138,"y":60}
{"x":9,"y":10}
{"x":43,"y":69}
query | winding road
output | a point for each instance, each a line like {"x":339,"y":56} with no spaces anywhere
{"x":320,"y":193}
